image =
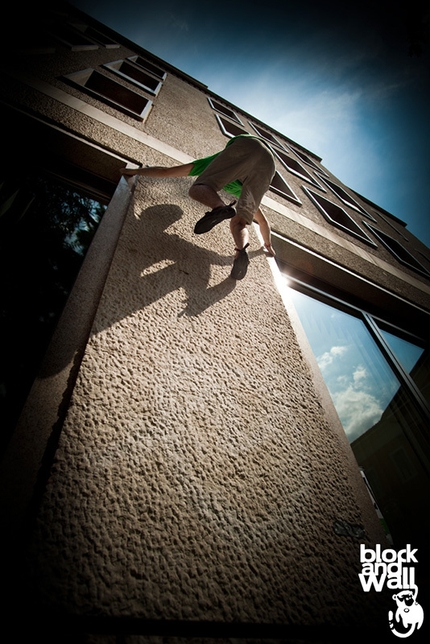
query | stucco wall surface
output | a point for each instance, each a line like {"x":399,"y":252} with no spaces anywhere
{"x":196,"y":476}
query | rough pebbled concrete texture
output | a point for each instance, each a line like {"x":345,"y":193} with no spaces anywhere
{"x":196,"y":477}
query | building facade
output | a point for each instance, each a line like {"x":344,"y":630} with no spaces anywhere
{"x":185,"y":455}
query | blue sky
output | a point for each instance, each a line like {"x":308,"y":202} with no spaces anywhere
{"x":337,"y":79}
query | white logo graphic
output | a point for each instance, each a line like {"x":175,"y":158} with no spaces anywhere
{"x":408,"y":612}
{"x":380,"y":567}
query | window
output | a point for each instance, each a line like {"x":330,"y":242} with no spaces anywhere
{"x":266,"y":135}
{"x":296,"y":168}
{"x":136,"y":75}
{"x":345,"y":197}
{"x":50,"y":211}
{"x":150,"y":67}
{"x":338,"y":216}
{"x":72,"y":38}
{"x":54,"y":223}
{"x":399,"y":252}
{"x":412,"y":356}
{"x":281,"y":187}
{"x":111,"y":92}
{"x":226,"y":111}
{"x":228,"y":128}
{"x":304,"y":157}
{"x":388,"y":222}
{"x":96,"y":36}
{"x":368,"y":375}
{"x":425,"y":256}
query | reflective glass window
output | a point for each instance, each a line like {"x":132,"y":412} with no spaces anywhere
{"x":414,"y":360}
{"x":379,"y":416}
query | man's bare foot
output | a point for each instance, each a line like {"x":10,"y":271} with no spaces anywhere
{"x":129,"y":172}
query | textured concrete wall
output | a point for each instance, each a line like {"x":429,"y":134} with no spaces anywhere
{"x":197,"y":476}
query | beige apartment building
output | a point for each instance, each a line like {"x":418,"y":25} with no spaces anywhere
{"x":184,"y":455}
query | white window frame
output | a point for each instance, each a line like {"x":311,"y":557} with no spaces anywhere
{"x":116,"y":68}
{"x":70,"y":37}
{"x":224,"y":110}
{"x":224,"y":125}
{"x":95,"y":35}
{"x":355,"y":230}
{"x":390,"y":244}
{"x":267,"y":136}
{"x":302,"y":173}
{"x":288,"y":194}
{"x":79,"y":80}
{"x":345,"y":197}
{"x":306,"y":159}
{"x":152,"y":68}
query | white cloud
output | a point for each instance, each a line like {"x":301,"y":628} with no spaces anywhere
{"x":351,"y":389}
{"x":329,"y":357}
{"x":357,"y":409}
{"x":359,"y":374}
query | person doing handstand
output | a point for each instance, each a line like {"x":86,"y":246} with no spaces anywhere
{"x":244,"y":169}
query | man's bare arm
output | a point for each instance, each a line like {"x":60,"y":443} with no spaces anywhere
{"x":159,"y":171}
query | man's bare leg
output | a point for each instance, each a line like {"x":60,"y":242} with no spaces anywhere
{"x":219,"y":210}
{"x":239,"y":231}
{"x":206,"y":195}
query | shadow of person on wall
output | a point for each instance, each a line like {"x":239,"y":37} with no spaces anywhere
{"x":159,"y":261}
